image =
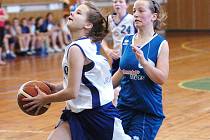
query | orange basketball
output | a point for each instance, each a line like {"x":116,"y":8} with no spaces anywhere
{"x":28,"y":90}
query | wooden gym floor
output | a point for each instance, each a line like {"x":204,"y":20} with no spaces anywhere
{"x":187,"y":111}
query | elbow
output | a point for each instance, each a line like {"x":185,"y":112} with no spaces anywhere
{"x":72,"y":94}
{"x":73,"y":97}
{"x":162,"y":80}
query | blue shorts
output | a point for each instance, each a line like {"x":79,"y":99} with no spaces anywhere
{"x":139,"y":125}
{"x":94,"y":124}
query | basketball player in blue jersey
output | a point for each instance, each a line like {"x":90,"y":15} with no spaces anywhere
{"x":87,"y":87}
{"x":144,"y":67}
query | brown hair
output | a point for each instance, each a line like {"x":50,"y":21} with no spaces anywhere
{"x":100,"y":24}
{"x":161,"y":14}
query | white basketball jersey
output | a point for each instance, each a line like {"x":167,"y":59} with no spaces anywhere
{"x":119,"y":30}
{"x":96,"y":87}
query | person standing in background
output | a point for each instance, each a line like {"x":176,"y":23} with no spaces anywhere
{"x":3,"y":18}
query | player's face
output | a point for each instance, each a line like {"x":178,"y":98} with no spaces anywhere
{"x":119,"y":5}
{"x":142,"y":14}
{"x":78,"y":19}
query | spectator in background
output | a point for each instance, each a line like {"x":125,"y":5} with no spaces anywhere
{"x":42,"y":38}
{"x":9,"y":41}
{"x":19,"y":38}
{"x":3,"y":18}
{"x":25,"y":33}
{"x":64,"y":29}
{"x":32,"y":28}
{"x":54,"y":33}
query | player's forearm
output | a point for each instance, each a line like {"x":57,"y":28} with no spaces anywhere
{"x":116,"y":78}
{"x":59,"y":87}
{"x":156,"y":75}
{"x":105,"y":47}
{"x":63,"y":95}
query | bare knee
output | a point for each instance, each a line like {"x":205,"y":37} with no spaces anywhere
{"x":61,"y":132}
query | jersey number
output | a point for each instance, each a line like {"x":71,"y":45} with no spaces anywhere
{"x":126,"y":30}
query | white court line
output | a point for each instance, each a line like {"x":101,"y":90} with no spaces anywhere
{"x":24,"y":131}
{"x":8,"y":92}
{"x":184,"y":57}
{"x":186,"y":46}
{"x":15,"y":89}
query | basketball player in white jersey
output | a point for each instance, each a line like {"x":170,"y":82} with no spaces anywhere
{"x":121,"y":23}
{"x":87,"y":86}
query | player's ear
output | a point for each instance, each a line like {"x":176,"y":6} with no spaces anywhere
{"x":155,"y":16}
{"x":89,"y":25}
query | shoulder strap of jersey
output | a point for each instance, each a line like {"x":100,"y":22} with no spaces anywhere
{"x":75,"y":44}
{"x":127,"y":41}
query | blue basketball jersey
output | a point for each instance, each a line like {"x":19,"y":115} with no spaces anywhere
{"x":138,"y":91}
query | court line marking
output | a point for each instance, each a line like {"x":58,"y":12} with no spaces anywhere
{"x":18,"y":78}
{"x":186,"y":46}
{"x":16,"y":88}
{"x":184,"y":81}
{"x":24,"y":131}
{"x":183,"y":57}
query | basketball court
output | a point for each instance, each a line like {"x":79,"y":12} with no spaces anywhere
{"x":186,"y":95}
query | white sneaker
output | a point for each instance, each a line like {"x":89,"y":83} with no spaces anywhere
{"x":57,"y":49}
{"x":13,"y":54}
{"x":63,"y":48}
{"x":50,"y":50}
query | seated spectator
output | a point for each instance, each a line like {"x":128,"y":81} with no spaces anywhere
{"x":9,"y":41}
{"x":25,"y":33}
{"x":19,"y":38}
{"x":42,"y":39}
{"x":32,"y":28}
{"x":64,"y":29}
{"x":54,"y":33}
